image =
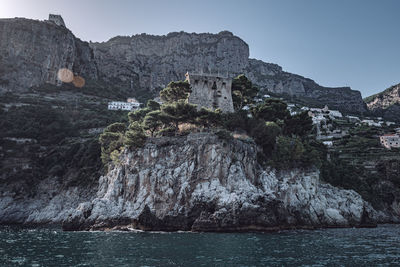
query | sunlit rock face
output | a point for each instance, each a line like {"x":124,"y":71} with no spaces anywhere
{"x":203,"y":183}
{"x":386,"y":104}
{"x":32,"y":52}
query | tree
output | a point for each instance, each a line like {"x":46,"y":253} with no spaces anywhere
{"x":152,"y":122}
{"x":300,"y":124}
{"x":178,"y":112}
{"x":116,"y":127}
{"x":110,"y":142}
{"x":153,"y":105}
{"x":138,"y":115}
{"x":289,"y":152}
{"x":243,"y":92}
{"x":264,"y":134}
{"x":209,"y":118}
{"x":271,"y":110}
{"x":175,"y":91}
{"x":135,"y":136}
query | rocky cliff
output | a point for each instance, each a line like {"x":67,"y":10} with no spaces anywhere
{"x":202,"y":183}
{"x":153,"y":61}
{"x":386,"y":104}
{"x":32,"y":52}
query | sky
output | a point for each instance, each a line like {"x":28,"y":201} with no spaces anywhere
{"x":352,"y":43}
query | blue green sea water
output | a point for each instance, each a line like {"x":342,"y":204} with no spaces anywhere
{"x":20,"y":246}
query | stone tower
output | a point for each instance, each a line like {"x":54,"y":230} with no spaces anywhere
{"x":57,"y":19}
{"x":210,"y":91}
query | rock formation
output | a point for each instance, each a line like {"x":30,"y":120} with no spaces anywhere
{"x":203,"y":183}
{"x":386,"y":104}
{"x":32,"y":52}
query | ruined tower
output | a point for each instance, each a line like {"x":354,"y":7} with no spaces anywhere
{"x":210,"y":91}
{"x":57,"y":19}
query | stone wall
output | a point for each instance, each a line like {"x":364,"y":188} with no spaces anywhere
{"x":211,"y":91}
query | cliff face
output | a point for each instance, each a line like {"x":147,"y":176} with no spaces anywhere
{"x":386,"y":104}
{"x":202,"y":183}
{"x":32,"y":52}
{"x":157,"y":60}
{"x":270,"y":78}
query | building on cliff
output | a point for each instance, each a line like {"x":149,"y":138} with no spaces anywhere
{"x":210,"y":91}
{"x":390,"y":140}
{"x":130,"y":104}
{"x":56,"y":19}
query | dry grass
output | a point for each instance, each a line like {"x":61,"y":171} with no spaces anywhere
{"x":188,"y":127}
{"x":241,"y":136}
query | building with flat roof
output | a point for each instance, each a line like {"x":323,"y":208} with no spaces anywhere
{"x":130,"y":104}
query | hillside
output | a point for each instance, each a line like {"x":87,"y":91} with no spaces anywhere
{"x":386,"y":104}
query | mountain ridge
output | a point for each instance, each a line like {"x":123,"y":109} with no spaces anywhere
{"x":150,"y":62}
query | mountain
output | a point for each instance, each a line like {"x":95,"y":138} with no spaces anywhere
{"x":32,"y":52}
{"x":386,"y":104}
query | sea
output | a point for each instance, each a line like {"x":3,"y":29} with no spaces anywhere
{"x":50,"y":246}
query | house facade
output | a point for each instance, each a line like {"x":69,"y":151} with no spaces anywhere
{"x":131,"y":104}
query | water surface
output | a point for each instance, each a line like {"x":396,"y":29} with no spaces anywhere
{"x":52,"y":247}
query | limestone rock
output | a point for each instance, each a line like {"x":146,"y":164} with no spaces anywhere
{"x":386,"y":104}
{"x":202,"y":183}
{"x":32,"y":52}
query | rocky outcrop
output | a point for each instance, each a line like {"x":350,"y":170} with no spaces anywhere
{"x":202,"y":183}
{"x":32,"y":52}
{"x":51,"y":203}
{"x":386,"y":104}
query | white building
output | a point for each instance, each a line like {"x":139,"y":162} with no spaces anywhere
{"x":390,"y":140}
{"x":372,"y":123}
{"x":131,"y":104}
{"x":335,"y":114}
{"x":328,"y":143}
{"x":353,"y":118}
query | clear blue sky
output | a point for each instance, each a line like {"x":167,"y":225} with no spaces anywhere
{"x":336,"y":43}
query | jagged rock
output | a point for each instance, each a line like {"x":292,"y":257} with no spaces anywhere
{"x":202,"y":183}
